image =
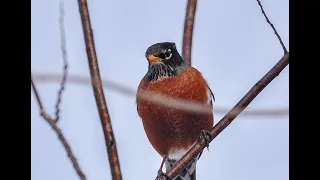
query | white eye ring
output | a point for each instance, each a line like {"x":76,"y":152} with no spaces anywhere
{"x":168,"y":52}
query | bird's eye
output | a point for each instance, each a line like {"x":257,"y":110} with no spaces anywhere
{"x":168,"y":54}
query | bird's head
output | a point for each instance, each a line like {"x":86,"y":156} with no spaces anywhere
{"x":164,"y":61}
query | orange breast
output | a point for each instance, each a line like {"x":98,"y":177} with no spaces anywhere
{"x":169,"y":128}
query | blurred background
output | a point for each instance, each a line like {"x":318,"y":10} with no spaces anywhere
{"x":233,"y":47}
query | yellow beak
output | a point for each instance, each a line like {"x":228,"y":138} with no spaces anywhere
{"x":153,"y":59}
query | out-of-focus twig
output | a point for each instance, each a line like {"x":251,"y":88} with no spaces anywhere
{"x":184,"y":105}
{"x":98,"y":92}
{"x":274,"y":29}
{"x":188,"y":30}
{"x":54,"y":126}
{"x":65,"y":60}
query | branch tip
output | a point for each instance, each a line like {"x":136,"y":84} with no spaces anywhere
{"x":274,"y":29}
{"x":65,"y":61}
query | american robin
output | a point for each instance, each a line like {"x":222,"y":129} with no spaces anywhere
{"x":172,"y":132}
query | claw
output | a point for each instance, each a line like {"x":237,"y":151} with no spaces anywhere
{"x":162,"y":176}
{"x":206,"y":135}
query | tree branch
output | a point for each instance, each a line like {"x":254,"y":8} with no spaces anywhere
{"x":274,"y":29}
{"x":54,"y":126}
{"x":98,"y":92}
{"x":188,"y":30}
{"x":236,"y":110}
{"x":231,"y":115}
{"x":65,"y":60}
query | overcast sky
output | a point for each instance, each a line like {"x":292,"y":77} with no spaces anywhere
{"x":233,"y":47}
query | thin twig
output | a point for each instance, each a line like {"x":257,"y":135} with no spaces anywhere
{"x":274,"y":29}
{"x":65,"y":60}
{"x":98,"y":92}
{"x":37,"y":96}
{"x":188,"y":30}
{"x":231,"y":115}
{"x":59,"y":133}
{"x":165,"y":101}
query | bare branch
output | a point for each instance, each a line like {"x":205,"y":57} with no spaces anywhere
{"x":188,"y":30}
{"x":98,"y":92}
{"x":165,"y":101}
{"x":54,"y":126}
{"x":274,"y":29}
{"x":231,"y":115}
{"x":236,"y":110}
{"x":65,"y":60}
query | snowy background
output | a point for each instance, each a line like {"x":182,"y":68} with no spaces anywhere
{"x":233,"y":47}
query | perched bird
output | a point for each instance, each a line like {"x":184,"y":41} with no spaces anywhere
{"x":172,"y":132}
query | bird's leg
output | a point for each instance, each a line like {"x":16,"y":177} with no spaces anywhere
{"x":206,"y":135}
{"x":161,"y":175}
{"x":162,"y":163}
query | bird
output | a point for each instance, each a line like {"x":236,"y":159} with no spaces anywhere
{"x":172,"y":132}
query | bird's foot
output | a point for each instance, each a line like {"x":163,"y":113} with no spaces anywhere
{"x":162,"y":176}
{"x":206,"y":135}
